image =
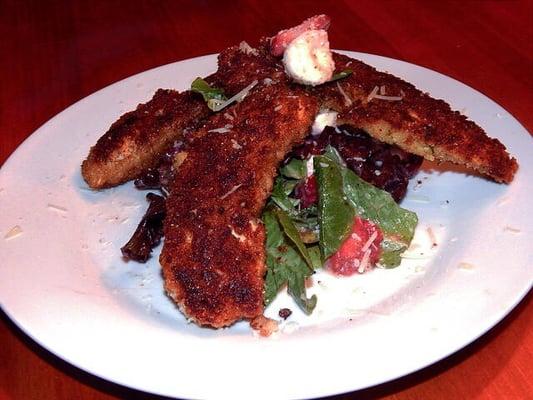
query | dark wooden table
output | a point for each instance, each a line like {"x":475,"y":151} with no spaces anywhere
{"x":56,"y":52}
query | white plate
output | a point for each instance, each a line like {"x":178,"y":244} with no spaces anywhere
{"x":63,"y":282}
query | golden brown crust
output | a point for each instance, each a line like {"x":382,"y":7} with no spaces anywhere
{"x":418,"y":123}
{"x":238,"y":67}
{"x":214,"y":255}
{"x":135,"y":142}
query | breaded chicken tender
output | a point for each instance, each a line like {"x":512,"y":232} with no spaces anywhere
{"x":214,"y":253}
{"x":396,"y":112}
{"x":135,"y":142}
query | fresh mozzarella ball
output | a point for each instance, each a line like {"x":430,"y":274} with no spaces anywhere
{"x":308,"y":59}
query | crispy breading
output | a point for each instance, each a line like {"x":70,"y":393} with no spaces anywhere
{"x":136,"y":141}
{"x":240,"y":65}
{"x":213,"y":258}
{"x":417,"y":123}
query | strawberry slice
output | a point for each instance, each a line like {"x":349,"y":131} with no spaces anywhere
{"x":279,"y":43}
{"x":360,"y":251}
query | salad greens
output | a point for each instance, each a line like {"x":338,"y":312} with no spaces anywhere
{"x":208,"y":93}
{"x":285,"y":265}
{"x":335,"y":212}
{"x":215,"y":98}
{"x":293,"y":253}
{"x":341,"y":75}
{"x":397,"y":224}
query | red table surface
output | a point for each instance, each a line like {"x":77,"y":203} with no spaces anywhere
{"x":57,"y":52}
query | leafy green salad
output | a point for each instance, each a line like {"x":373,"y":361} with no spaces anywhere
{"x":301,"y":240}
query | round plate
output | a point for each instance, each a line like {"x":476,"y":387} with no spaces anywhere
{"x":64,"y":283}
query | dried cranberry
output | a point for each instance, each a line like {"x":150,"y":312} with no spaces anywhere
{"x":307,"y":192}
{"x":285,"y":313}
{"x":385,"y":166}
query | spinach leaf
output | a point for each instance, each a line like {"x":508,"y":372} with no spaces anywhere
{"x":285,"y":265}
{"x":295,"y":169}
{"x":280,"y":195}
{"x":207,"y":92}
{"x":341,"y":75}
{"x":296,"y":288}
{"x":314,"y":254}
{"x":397,"y":224}
{"x":292,"y":233}
{"x":335,"y":214}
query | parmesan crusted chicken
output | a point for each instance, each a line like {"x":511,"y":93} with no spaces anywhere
{"x":136,"y":141}
{"x":396,"y":112}
{"x":213,"y":257}
{"x":388,"y":108}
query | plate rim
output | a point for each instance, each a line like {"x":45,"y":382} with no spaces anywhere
{"x":32,"y":136}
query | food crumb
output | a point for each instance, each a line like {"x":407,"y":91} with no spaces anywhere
{"x":418,"y":185}
{"x":465,"y":265}
{"x":418,"y":199}
{"x":511,"y":229}
{"x":290,"y":327}
{"x":503,"y":201}
{"x":432,"y":237}
{"x":419,"y":268}
{"x":264,"y":326}
{"x":13,"y":233}
{"x":285,"y":313}
{"x":55,"y":207}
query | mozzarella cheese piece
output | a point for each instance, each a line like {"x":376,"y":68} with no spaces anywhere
{"x":324,"y":118}
{"x":308,"y":59}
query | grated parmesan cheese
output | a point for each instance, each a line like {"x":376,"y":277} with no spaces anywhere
{"x":56,"y":208}
{"x":369,"y":242}
{"x":241,"y":238}
{"x":217,"y":105}
{"x":226,"y":128}
{"x":235,"y":144}
{"x":245,"y":48}
{"x":465,"y":265}
{"x":381,"y":96}
{"x":233,"y":189}
{"x":347,"y":100}
{"x":310,"y":166}
{"x":364,"y":262}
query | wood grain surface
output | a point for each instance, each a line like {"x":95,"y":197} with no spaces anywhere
{"x":53,"y":53}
